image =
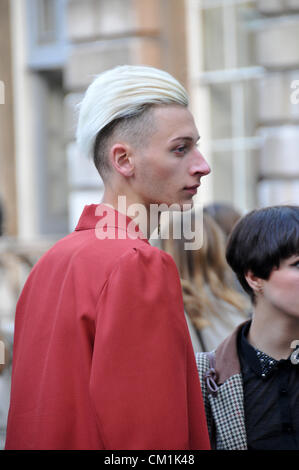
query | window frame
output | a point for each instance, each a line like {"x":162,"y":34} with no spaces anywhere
{"x":50,"y":55}
{"x":200,"y":87}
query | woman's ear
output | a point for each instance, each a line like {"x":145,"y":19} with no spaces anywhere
{"x":256,"y":283}
{"x":121,"y":157}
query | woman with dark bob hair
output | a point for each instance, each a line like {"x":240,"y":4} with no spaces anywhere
{"x":250,"y":382}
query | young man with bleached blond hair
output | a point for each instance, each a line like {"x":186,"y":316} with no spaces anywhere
{"x":102,"y":354}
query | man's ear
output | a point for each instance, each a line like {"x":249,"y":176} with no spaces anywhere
{"x":121,"y":157}
{"x":256,"y":283}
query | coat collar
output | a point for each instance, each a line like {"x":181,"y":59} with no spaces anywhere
{"x":104,"y":220}
{"x":226,"y":357}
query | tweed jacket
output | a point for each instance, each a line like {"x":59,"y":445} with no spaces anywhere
{"x":222,"y":389}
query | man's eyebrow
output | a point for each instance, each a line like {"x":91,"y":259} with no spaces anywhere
{"x":186,"y":137}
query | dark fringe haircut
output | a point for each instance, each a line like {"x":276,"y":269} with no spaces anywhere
{"x":261,"y":240}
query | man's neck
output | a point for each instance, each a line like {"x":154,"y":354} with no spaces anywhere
{"x":129,"y":205}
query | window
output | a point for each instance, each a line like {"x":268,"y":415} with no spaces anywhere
{"x":51,"y":154}
{"x":223,"y":79}
{"x":47,"y":44}
{"x":243,"y":58}
{"x":46,"y":21}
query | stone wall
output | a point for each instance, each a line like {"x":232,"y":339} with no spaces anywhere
{"x":7,"y":156}
{"x":278,"y":114}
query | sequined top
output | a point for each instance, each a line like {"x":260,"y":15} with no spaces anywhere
{"x":268,"y":364}
{"x":271,"y":398}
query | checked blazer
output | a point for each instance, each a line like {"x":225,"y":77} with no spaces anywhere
{"x":222,"y":389}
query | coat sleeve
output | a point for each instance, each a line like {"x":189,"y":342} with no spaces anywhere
{"x":139,"y":369}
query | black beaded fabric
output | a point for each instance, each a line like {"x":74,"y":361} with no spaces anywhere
{"x":268,"y":364}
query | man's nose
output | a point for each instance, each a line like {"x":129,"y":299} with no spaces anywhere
{"x":200,"y":165}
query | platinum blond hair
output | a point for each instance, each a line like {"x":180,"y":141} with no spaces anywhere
{"x":123,"y":92}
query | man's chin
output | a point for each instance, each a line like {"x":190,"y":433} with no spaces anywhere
{"x":186,"y":205}
{"x":182,"y":206}
{"x":174,"y":206}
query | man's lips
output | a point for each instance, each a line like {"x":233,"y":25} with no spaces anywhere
{"x":192,"y":189}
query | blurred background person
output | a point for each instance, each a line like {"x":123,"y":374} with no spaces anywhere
{"x":5,"y":349}
{"x":213,"y":306}
{"x":224,"y":214}
{"x":5,"y":371}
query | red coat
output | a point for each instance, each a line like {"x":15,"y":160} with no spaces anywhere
{"x":102,"y":355}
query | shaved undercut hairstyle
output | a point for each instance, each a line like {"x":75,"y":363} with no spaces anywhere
{"x":119,"y":102}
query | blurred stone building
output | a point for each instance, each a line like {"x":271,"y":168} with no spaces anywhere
{"x":238,"y":59}
{"x":243,"y":61}
{"x":56,"y":47}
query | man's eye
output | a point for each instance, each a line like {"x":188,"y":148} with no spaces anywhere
{"x":296,"y":264}
{"x":181,"y":149}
